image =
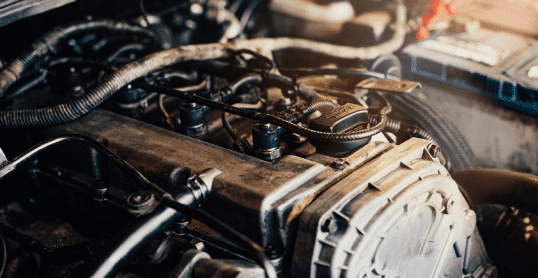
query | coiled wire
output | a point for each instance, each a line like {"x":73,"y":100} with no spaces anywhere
{"x":395,"y":127}
{"x":65,"y":112}
{"x":445,"y":133}
{"x":318,"y":103}
{"x":267,"y":118}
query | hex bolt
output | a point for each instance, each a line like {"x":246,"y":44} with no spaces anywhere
{"x":141,"y":200}
{"x":449,"y":204}
{"x":434,"y":151}
{"x":338,"y":164}
{"x":99,"y":189}
{"x":180,"y":225}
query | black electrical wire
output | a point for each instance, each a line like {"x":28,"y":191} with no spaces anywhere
{"x":225,"y":230}
{"x":187,"y":76}
{"x":287,"y":82}
{"x":266,"y":63}
{"x":236,"y":5}
{"x":233,"y":88}
{"x":77,"y":61}
{"x":28,"y":85}
{"x":267,"y":118}
{"x":247,"y":79}
{"x":247,"y":14}
{"x":125,"y":48}
{"x":73,"y":109}
{"x":3,"y":262}
{"x":143,"y":11}
{"x":51,"y":41}
{"x":9,"y":166}
{"x":228,"y":126}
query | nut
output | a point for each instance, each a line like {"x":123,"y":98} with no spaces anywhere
{"x":141,"y":200}
{"x":338,"y":164}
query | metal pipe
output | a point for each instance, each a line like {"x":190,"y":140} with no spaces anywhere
{"x":132,"y":238}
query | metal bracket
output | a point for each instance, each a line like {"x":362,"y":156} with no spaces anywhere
{"x":391,"y":86}
{"x":185,"y":266}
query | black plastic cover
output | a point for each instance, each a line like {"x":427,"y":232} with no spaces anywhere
{"x":341,"y":119}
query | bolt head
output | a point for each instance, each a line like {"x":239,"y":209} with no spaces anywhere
{"x":141,"y":199}
{"x":99,"y":190}
{"x":338,"y":164}
{"x":434,"y":151}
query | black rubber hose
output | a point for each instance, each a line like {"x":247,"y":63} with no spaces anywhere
{"x":247,"y":79}
{"x":125,"y":48}
{"x":73,"y":109}
{"x":187,"y":76}
{"x":233,"y":88}
{"x":228,"y":126}
{"x":9,"y":166}
{"x":267,"y":118}
{"x":225,"y":230}
{"x":50,"y":41}
{"x":249,"y":10}
{"x":284,"y":81}
{"x":441,"y":129}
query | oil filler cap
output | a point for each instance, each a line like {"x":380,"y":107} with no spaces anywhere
{"x":348,"y":117}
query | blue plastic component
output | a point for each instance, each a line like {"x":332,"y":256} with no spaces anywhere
{"x":495,"y":64}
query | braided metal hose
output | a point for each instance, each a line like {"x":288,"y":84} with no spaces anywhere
{"x":441,"y":129}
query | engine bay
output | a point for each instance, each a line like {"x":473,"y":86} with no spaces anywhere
{"x":300,"y":138}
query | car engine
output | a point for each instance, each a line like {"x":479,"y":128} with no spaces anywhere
{"x":214,"y":138}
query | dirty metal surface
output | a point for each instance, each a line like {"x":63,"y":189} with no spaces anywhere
{"x":48,"y":230}
{"x":398,"y":215}
{"x":387,"y":85}
{"x":250,"y":189}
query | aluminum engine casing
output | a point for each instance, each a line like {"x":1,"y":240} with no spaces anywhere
{"x":288,"y":205}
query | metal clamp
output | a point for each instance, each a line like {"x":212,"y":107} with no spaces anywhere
{"x":386,"y":85}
